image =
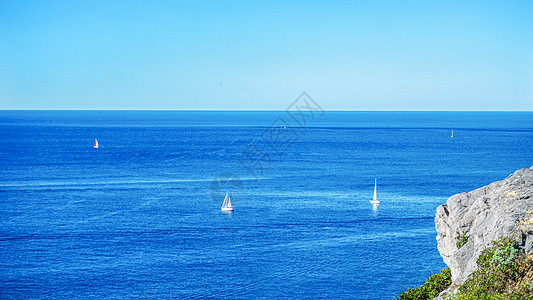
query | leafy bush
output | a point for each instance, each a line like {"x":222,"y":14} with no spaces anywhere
{"x":479,"y":297}
{"x":463,"y":239}
{"x":504,"y":272}
{"x":435,"y":284}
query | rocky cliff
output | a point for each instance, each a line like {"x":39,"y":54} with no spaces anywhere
{"x":476,"y":218}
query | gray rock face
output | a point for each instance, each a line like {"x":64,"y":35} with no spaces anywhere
{"x":484,"y":215}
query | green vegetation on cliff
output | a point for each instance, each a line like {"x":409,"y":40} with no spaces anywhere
{"x":435,"y":284}
{"x":504,"y":272}
{"x":463,"y":239}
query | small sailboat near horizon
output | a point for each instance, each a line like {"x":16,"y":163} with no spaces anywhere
{"x":452,"y":133}
{"x":226,"y":205}
{"x":374,"y":199}
{"x":95,"y":144}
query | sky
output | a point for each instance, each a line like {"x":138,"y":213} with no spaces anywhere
{"x":254,"y":55}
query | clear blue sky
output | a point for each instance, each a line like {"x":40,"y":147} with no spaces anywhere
{"x":348,"y":55}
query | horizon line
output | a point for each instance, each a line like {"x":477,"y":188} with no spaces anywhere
{"x":260,"y":110}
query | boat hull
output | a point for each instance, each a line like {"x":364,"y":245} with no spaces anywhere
{"x":226,"y":209}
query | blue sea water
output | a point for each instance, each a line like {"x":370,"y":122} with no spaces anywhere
{"x":140,"y":216}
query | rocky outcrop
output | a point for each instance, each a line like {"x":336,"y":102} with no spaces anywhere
{"x":484,"y":215}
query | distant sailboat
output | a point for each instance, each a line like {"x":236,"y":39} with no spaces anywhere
{"x":375,"y":200}
{"x":226,"y":205}
{"x":452,"y":132}
{"x":95,"y":144}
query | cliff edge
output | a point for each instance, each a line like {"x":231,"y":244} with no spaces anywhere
{"x":468,"y":222}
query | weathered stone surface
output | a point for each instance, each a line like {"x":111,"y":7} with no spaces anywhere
{"x":484,"y":215}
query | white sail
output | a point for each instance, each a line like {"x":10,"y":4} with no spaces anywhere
{"x":226,"y":205}
{"x":375,"y":200}
{"x":375,"y":190}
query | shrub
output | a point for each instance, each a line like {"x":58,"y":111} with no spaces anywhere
{"x":479,"y":297}
{"x":463,"y":239}
{"x":504,"y":272}
{"x":435,"y":284}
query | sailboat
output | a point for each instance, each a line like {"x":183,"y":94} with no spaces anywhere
{"x":226,"y":205}
{"x":452,"y":132}
{"x":374,"y":199}
{"x":95,"y":144}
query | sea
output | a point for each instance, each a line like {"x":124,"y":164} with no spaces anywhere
{"x":140,"y":217}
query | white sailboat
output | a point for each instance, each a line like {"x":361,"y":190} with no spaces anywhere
{"x":95,"y":144}
{"x":226,"y":205}
{"x":452,"y":132}
{"x":374,"y":199}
